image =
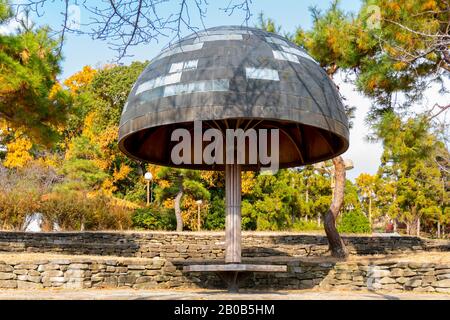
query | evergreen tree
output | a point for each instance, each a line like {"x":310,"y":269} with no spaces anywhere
{"x":409,"y":158}
{"x":176,"y":185}
{"x":31,"y":98}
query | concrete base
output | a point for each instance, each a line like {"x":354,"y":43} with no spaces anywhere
{"x":234,"y":274}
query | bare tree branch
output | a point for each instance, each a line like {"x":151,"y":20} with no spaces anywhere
{"x":127,"y":23}
{"x":64,"y":26}
{"x":437,"y":35}
{"x":243,"y":5}
{"x":432,"y":114}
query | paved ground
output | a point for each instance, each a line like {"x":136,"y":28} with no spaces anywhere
{"x":129,"y":294}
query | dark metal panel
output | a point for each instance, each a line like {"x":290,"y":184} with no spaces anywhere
{"x":300,"y":94}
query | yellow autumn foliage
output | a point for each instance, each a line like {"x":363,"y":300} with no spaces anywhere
{"x":122,"y":173}
{"x":89,"y":121}
{"x":189,"y":212}
{"x":102,"y":164}
{"x":372,"y":84}
{"x":54,"y":90}
{"x":80,"y":79}
{"x":107,"y":137}
{"x":105,"y":140}
{"x":366,"y":183}
{"x":248,"y":182}
{"x":18,"y":154}
{"x":400,"y":65}
{"x":164,"y":184}
{"x":49,"y":160}
{"x":108,"y":186}
{"x":3,"y":125}
{"x":394,"y":6}
{"x":168,"y":203}
{"x":405,"y":38}
{"x":429,"y":5}
{"x":125,"y":203}
{"x":213,"y":178}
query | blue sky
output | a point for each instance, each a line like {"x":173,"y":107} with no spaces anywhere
{"x":81,"y":50}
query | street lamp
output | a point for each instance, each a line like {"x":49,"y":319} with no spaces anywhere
{"x":199,"y":203}
{"x":149,"y":178}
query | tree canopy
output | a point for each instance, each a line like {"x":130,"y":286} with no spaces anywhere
{"x":30,"y":96}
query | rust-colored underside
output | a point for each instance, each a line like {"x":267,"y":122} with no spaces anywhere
{"x":299,"y":144}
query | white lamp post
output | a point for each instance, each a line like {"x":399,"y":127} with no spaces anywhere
{"x":149,"y":178}
{"x":199,"y":203}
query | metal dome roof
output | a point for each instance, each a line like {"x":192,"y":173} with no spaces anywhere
{"x":235,"y":76}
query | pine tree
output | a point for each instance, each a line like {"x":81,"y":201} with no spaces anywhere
{"x":30,"y":98}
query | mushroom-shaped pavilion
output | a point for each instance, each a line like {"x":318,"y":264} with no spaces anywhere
{"x":233,"y":77}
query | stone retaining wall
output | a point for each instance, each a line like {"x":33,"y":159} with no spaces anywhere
{"x":391,"y":276}
{"x":204,"y":245}
{"x":159,"y":273}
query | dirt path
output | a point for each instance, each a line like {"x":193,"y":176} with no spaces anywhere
{"x":129,"y":294}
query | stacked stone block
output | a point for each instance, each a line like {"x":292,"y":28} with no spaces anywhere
{"x":157,"y":273}
{"x":207,"y":245}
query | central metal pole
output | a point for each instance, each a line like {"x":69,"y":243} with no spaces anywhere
{"x":233,"y":213}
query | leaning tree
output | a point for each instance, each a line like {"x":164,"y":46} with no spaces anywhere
{"x":388,"y":49}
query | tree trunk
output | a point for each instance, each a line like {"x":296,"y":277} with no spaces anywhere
{"x":336,"y":244}
{"x":178,"y":211}
{"x":82,"y":223}
{"x":439,"y":230}
{"x":413,"y":224}
{"x":418,"y":226}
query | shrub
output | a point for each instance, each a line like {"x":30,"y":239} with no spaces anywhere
{"x":106,"y":213}
{"x":154,"y":218}
{"x":20,"y":194}
{"x":354,"y":222}
{"x":71,"y":210}
{"x":303,"y":225}
{"x":67,"y":209}
{"x":215,"y":219}
{"x":16,"y":205}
